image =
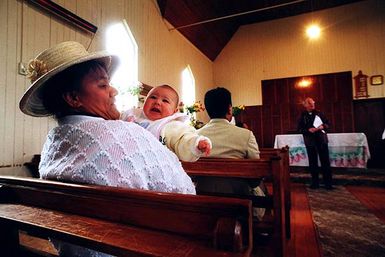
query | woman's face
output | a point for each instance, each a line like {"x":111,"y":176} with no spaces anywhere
{"x":96,"y":95}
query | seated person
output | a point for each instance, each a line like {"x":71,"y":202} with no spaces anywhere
{"x":160,"y":116}
{"x":90,"y":145}
{"x":229,"y":141}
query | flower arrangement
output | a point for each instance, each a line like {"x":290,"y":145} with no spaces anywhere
{"x":191,"y":110}
{"x":135,"y":90}
{"x":238,"y":109}
{"x":197,"y":124}
{"x":195,"y":107}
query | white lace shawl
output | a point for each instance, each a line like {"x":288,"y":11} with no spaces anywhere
{"x":114,"y":153}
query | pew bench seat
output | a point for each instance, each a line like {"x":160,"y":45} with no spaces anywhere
{"x":272,"y":168}
{"x":123,"y":222}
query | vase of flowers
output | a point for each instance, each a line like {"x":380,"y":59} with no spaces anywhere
{"x":195,"y":107}
{"x":191,"y":110}
{"x":135,"y":91}
{"x":238,"y":109}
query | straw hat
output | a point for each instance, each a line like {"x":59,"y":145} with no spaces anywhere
{"x":51,"y":62}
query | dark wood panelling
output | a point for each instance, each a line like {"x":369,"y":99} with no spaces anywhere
{"x":285,"y":112}
{"x":267,"y":124}
{"x":269,"y":92}
{"x":282,"y":105}
{"x":252,"y":116}
{"x":369,"y":116}
{"x":338,"y":126}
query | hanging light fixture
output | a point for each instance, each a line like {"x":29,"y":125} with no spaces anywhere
{"x":313,"y":31}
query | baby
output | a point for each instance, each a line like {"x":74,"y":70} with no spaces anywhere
{"x":160,"y":116}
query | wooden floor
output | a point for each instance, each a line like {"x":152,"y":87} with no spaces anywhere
{"x":304,"y":240}
{"x":372,"y":197}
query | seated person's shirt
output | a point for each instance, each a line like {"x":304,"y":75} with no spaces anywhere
{"x":230,"y":141}
{"x":173,"y":131}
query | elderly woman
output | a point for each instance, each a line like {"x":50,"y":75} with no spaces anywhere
{"x":90,"y":145}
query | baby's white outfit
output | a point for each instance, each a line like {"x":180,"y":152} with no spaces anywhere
{"x":173,"y":131}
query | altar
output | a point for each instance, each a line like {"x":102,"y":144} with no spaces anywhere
{"x":349,"y":150}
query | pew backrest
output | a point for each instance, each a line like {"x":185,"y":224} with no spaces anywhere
{"x":125,"y":222}
{"x":273,"y":166}
{"x":284,"y":154}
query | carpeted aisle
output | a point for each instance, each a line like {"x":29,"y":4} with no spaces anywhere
{"x":345,"y":226}
{"x":372,"y":197}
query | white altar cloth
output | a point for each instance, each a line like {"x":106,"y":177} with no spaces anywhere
{"x":345,"y":149}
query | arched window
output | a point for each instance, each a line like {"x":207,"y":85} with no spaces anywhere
{"x":188,"y":86}
{"x":121,"y":42}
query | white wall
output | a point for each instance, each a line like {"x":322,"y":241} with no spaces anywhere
{"x":26,"y":30}
{"x":353,"y":39}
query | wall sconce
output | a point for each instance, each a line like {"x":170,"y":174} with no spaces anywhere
{"x":304,"y":83}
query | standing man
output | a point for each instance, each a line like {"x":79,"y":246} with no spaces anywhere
{"x":313,"y":125}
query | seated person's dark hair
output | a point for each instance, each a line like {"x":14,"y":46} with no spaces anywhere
{"x":69,"y":80}
{"x":217,"y":102}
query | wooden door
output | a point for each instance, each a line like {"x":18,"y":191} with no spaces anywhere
{"x":369,"y":116}
{"x":282,"y":105}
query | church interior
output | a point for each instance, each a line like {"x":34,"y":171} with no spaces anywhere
{"x":271,"y":56}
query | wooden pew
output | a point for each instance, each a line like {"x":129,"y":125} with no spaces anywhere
{"x":123,"y":222}
{"x":284,"y":154}
{"x":251,"y":169}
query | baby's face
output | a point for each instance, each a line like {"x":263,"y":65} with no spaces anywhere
{"x":160,"y":103}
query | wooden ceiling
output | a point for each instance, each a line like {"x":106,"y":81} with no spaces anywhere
{"x":210,"y":38}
